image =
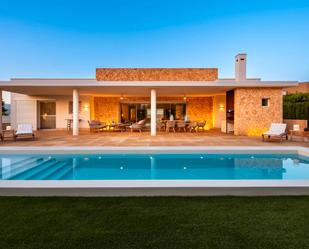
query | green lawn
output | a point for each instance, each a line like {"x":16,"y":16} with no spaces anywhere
{"x":219,"y":222}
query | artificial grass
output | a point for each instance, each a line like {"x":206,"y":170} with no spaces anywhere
{"x":217,"y":222}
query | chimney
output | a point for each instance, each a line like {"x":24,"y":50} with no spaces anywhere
{"x":241,"y":67}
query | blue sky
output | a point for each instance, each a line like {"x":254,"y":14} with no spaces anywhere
{"x":71,"y":38}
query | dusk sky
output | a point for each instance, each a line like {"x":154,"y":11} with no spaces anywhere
{"x":71,"y":38}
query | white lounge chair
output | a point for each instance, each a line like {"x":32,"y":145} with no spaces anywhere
{"x":276,"y":130}
{"x":24,"y":130}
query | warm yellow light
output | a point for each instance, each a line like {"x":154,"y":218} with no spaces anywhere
{"x":86,"y":107}
{"x":221,"y":107}
{"x":254,"y":132}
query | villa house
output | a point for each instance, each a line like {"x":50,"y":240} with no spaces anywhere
{"x":241,"y":105}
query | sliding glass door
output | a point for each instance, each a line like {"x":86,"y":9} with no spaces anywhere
{"x":133,"y":112}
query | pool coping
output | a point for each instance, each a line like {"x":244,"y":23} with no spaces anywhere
{"x":155,"y":187}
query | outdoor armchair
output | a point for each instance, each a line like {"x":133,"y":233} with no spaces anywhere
{"x":170,"y":124}
{"x":181,"y":125}
{"x":192,"y":126}
{"x":96,"y":125}
{"x":140,"y":125}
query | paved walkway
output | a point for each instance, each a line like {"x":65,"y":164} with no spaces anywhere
{"x":209,"y":138}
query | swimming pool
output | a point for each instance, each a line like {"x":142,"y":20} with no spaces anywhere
{"x":156,"y":166}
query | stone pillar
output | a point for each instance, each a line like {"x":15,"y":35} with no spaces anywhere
{"x":153,"y":115}
{"x":75,"y":111}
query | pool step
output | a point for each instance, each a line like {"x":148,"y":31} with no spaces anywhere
{"x":60,"y":174}
{"x":44,"y":174}
{"x":26,"y":166}
{"x":21,"y":163}
{"x":26,"y":174}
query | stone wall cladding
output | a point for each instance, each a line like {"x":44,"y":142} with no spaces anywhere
{"x":301,"y":88}
{"x":199,"y":109}
{"x":156,"y":74}
{"x":106,"y":109}
{"x":290,"y":122}
{"x":251,"y":118}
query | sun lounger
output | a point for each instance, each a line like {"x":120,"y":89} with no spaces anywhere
{"x":276,"y":130}
{"x":24,"y":130}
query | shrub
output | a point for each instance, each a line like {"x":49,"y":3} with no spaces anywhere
{"x":296,"y":106}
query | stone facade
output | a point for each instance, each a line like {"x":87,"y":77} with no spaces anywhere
{"x":106,"y":109}
{"x":199,"y":109}
{"x":156,"y":74}
{"x":290,"y":122}
{"x":251,"y":118}
{"x":301,"y":88}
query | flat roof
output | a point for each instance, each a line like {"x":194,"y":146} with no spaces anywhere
{"x":58,"y":86}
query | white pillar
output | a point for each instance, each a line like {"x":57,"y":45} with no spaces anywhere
{"x":1,"y":110}
{"x":75,"y":112}
{"x":153,"y":116}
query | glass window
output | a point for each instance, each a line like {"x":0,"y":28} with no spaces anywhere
{"x":265,"y":101}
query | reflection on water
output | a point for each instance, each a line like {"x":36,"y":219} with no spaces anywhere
{"x":111,"y":167}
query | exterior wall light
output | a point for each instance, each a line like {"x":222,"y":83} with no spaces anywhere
{"x":221,"y":107}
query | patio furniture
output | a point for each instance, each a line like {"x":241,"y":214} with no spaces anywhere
{"x":120,"y":127}
{"x":160,"y":125}
{"x":70,"y":123}
{"x":24,"y":131}
{"x":8,"y":135}
{"x":140,"y":125}
{"x":96,"y":125}
{"x":302,"y":134}
{"x":192,"y":126}
{"x":181,"y":125}
{"x":170,"y":124}
{"x":276,"y":130}
{"x":200,"y":125}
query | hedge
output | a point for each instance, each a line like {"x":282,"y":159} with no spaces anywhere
{"x":296,"y":106}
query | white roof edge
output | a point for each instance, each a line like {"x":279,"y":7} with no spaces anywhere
{"x":93,"y":82}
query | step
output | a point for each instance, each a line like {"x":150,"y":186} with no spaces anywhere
{"x":59,"y":175}
{"x":26,"y":166}
{"x":22,"y":161}
{"x":28,"y":173}
{"x":43,"y":175}
{"x":19,"y":164}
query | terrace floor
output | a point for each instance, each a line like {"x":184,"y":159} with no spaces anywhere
{"x":207,"y":138}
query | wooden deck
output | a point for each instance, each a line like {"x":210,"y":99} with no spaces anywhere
{"x":208,"y":138}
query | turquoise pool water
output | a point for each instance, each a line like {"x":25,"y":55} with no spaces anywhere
{"x":153,"y":167}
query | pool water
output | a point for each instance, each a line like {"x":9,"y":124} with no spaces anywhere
{"x":153,"y":167}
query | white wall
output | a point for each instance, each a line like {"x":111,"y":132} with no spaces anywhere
{"x":24,"y":110}
{"x":62,"y":111}
{"x":218,"y":114}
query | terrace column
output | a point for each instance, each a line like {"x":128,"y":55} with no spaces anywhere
{"x":75,"y":111}
{"x":153,"y":116}
{"x":1,"y":110}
